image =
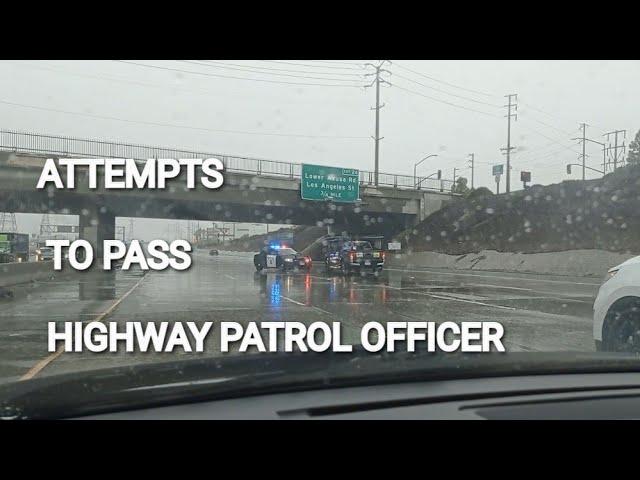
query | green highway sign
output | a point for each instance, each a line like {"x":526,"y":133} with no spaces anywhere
{"x":329,"y":183}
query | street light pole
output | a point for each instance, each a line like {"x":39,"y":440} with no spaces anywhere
{"x":437,"y":174}
{"x":415,"y":166}
{"x":569,"y":165}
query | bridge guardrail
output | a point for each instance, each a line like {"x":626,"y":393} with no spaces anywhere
{"x":36,"y":143}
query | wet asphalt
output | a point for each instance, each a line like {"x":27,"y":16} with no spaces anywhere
{"x":538,"y":312}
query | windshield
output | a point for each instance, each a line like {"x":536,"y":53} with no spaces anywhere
{"x":360,"y":246}
{"x":497,"y":201}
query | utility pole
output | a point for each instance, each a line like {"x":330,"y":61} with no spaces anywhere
{"x":472,"y":162}
{"x":513,"y":98}
{"x":377,"y":81}
{"x":615,"y":147}
{"x":584,"y":140}
{"x":455,"y":174}
{"x":583,"y":126}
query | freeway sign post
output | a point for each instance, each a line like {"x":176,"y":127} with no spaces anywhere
{"x":329,"y":183}
{"x":497,"y":171}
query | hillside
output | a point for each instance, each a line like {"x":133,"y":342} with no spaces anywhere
{"x":597,"y":214}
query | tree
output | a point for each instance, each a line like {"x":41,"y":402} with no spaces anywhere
{"x":634,"y":151}
{"x":479,"y":192}
{"x":461,"y":187}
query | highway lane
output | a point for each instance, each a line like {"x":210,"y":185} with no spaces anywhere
{"x":539,"y":313}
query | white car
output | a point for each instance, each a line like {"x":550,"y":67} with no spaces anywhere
{"x":616,"y":311}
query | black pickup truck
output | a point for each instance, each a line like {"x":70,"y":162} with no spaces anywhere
{"x":359,"y":256}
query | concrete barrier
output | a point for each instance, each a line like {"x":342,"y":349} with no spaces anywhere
{"x":17,"y":273}
{"x":579,"y":263}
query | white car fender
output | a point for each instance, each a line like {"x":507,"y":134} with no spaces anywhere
{"x":625,"y":283}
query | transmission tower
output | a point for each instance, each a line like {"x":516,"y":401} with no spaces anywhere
{"x":45,"y":225}
{"x":8,"y":223}
{"x":615,"y":158}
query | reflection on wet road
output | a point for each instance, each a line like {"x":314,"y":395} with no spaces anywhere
{"x":538,"y":312}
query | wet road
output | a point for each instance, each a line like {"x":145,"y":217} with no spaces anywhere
{"x":539,"y":313}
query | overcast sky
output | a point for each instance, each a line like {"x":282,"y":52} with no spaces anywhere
{"x":257,"y":114}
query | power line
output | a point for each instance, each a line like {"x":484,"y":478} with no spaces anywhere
{"x":340,"y":62}
{"x":447,"y":93}
{"x":547,"y":155}
{"x":527,"y":152}
{"x":113,"y":79}
{"x":546,"y":124}
{"x":443,"y":82}
{"x":282,"y":62}
{"x":196,"y":91}
{"x":208,"y":62}
{"x":187,"y":127}
{"x":545,"y":113}
{"x":250,"y":70}
{"x":443,"y":101}
{"x":559,"y":142}
{"x":192,"y":72}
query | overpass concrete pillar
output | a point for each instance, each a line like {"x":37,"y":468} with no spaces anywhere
{"x":95,"y":227}
{"x":428,"y":205}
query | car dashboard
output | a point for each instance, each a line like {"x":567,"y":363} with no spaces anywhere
{"x":562,"y":396}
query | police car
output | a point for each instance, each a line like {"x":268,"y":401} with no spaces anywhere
{"x":281,"y":257}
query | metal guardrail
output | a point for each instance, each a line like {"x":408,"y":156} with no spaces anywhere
{"x":36,"y":143}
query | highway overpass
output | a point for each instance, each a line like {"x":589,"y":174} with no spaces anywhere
{"x":255,"y":190}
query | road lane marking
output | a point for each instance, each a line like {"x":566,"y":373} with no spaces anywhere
{"x":293,"y":301}
{"x":230,"y":277}
{"x":546,"y":295}
{"x":464,"y":296}
{"x":559,"y":299}
{"x":326,"y":279}
{"x":504,"y":287}
{"x":304,"y":305}
{"x":454,"y":299}
{"x":541,"y":292}
{"x":526,"y":349}
{"x":38,"y":367}
{"x":321,"y":311}
{"x":494,"y":276}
